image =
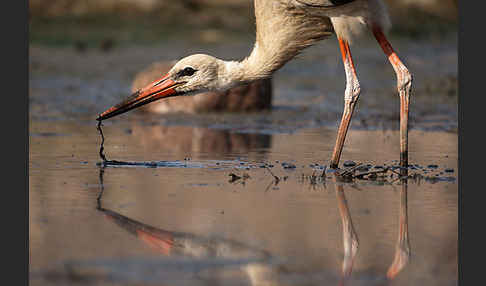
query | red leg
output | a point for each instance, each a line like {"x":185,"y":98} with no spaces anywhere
{"x":404,"y":84}
{"x":351,"y":95}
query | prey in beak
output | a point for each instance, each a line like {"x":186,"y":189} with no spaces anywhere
{"x":161,"y":88}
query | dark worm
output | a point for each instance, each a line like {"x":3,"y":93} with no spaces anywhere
{"x":102,"y":155}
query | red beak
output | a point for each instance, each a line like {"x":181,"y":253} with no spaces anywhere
{"x":161,"y":88}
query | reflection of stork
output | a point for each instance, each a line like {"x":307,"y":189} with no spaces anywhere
{"x":185,"y":244}
{"x":179,"y":243}
{"x":255,"y":262}
{"x":259,"y":264}
{"x":283,"y":29}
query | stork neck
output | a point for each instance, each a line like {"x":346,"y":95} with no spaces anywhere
{"x":258,"y":65}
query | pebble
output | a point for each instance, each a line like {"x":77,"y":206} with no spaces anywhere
{"x":349,"y":163}
{"x":286,"y":165}
{"x":363,"y":168}
{"x":449,"y":170}
{"x":432,"y":166}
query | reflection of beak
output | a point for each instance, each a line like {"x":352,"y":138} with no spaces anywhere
{"x":158,"y":239}
{"x":161,"y":88}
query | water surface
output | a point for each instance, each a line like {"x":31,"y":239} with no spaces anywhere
{"x":187,"y":224}
{"x":232,"y":199}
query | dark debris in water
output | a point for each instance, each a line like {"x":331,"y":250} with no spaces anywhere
{"x":314,"y":179}
{"x":286,"y":165}
{"x":352,"y":172}
{"x":235,"y":177}
{"x":391,"y":174}
{"x":381,"y":174}
{"x":349,"y":164}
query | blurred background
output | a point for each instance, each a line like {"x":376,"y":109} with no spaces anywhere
{"x":92,"y":53}
{"x":67,"y":21}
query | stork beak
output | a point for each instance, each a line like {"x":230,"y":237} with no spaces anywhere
{"x":161,"y":88}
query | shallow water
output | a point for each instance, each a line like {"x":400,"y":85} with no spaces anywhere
{"x":230,"y":199}
{"x":246,"y":232}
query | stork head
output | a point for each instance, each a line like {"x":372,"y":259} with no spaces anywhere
{"x":191,"y":75}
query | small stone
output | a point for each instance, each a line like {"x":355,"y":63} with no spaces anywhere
{"x":363,"y":168}
{"x":349,"y":164}
{"x":286,"y":165}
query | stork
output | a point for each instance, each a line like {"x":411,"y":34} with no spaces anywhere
{"x":283,"y":29}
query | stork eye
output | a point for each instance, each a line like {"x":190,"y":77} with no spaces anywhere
{"x":188,"y":71}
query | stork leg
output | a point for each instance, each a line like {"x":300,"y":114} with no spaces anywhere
{"x":404,"y":85}
{"x":351,"y":95}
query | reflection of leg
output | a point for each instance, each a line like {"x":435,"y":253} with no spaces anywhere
{"x":350,"y":239}
{"x":402,"y":249}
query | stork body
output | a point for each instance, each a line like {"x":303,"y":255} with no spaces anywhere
{"x":283,"y":29}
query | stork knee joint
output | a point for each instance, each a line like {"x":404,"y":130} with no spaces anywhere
{"x":351,"y":94}
{"x":405,"y":81}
